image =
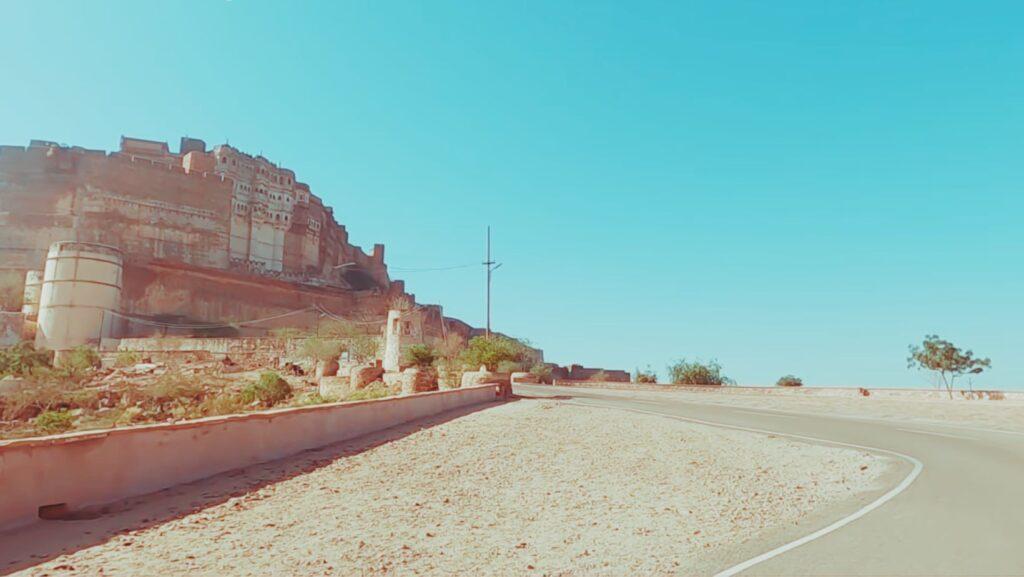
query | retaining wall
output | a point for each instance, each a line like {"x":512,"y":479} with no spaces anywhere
{"x":96,"y":467}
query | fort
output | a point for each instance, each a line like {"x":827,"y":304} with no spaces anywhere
{"x":207,"y":236}
{"x":209,"y":242}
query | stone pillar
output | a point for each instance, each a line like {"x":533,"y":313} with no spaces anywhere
{"x":393,"y":341}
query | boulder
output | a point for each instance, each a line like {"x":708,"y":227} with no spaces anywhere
{"x":364,"y":375}
{"x":418,"y":380}
{"x":328,"y":368}
{"x":334,"y":387}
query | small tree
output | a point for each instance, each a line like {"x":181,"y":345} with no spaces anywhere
{"x":789,"y":381}
{"x":491,"y":351}
{"x":946,"y":360}
{"x":683,"y":372}
{"x":319,"y":350}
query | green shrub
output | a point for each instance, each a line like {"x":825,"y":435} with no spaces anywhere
{"x":422,"y":356}
{"x":363,"y":347}
{"x":490,"y":351}
{"x":646,"y":376}
{"x":12,"y":289}
{"x":697,"y":373}
{"x":372,"y":391}
{"x":510,"y":367}
{"x":53,"y":422}
{"x":127,"y":359}
{"x":222,"y":404}
{"x":78,"y":362}
{"x":172,"y":386}
{"x":789,"y":381}
{"x":313,"y":398}
{"x":270,"y":390}
{"x":541,"y":371}
{"x":22,"y":358}
{"x":318,"y":349}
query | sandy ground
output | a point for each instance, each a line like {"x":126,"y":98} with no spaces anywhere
{"x":534,"y":487}
{"x":924,"y":406}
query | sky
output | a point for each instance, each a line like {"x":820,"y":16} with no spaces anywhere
{"x":797,"y":188}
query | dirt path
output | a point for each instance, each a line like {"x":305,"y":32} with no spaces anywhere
{"x":526,"y":488}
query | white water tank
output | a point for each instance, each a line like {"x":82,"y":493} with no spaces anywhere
{"x":30,"y":298}
{"x":81,"y":283}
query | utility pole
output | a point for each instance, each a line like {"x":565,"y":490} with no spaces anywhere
{"x":491,"y":267}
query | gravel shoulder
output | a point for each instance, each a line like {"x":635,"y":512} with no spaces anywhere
{"x":534,"y":487}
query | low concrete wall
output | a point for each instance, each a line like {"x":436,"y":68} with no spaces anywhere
{"x":95,"y":467}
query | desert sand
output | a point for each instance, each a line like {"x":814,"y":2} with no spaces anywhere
{"x":534,"y":487}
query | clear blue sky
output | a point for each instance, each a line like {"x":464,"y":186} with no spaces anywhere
{"x":788,"y":187}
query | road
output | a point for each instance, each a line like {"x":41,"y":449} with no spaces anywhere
{"x":955,"y":506}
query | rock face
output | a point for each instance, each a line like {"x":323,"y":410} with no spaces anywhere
{"x":364,"y":375}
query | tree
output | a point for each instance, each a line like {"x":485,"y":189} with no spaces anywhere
{"x":490,"y":351}
{"x":645,"y":376}
{"x":697,"y":373}
{"x":946,"y":360}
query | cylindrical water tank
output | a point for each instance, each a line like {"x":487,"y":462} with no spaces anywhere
{"x":81,"y":283}
{"x":30,"y":299}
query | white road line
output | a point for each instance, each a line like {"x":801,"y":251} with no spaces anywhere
{"x":765,"y":413}
{"x":902,"y":486}
{"x":936,"y":434}
{"x":806,"y":414}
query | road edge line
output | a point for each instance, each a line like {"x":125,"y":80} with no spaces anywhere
{"x":888,"y":496}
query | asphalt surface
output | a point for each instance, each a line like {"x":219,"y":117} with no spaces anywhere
{"x":954,"y":506}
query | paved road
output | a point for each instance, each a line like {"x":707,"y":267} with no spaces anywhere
{"x":956,"y":503}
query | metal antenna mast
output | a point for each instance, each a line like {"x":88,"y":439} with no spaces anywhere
{"x":491,"y":267}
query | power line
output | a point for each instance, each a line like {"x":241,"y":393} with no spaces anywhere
{"x":408,"y":269}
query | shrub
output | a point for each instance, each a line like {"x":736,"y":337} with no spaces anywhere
{"x":372,"y":391}
{"x":31,"y":398}
{"x":78,"y":362}
{"x":313,"y":398}
{"x":127,"y":359}
{"x":172,"y":387}
{"x":492,"y":351}
{"x":646,"y":376}
{"x":270,"y":390}
{"x":542,"y":372}
{"x":510,"y":367}
{"x":422,"y":356}
{"x":22,"y":358}
{"x":223,"y":404}
{"x":697,"y":373}
{"x":363,"y":347}
{"x":789,"y":381}
{"x":287,"y":333}
{"x":12,"y":289}
{"x":318,"y":349}
{"x":53,"y":422}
